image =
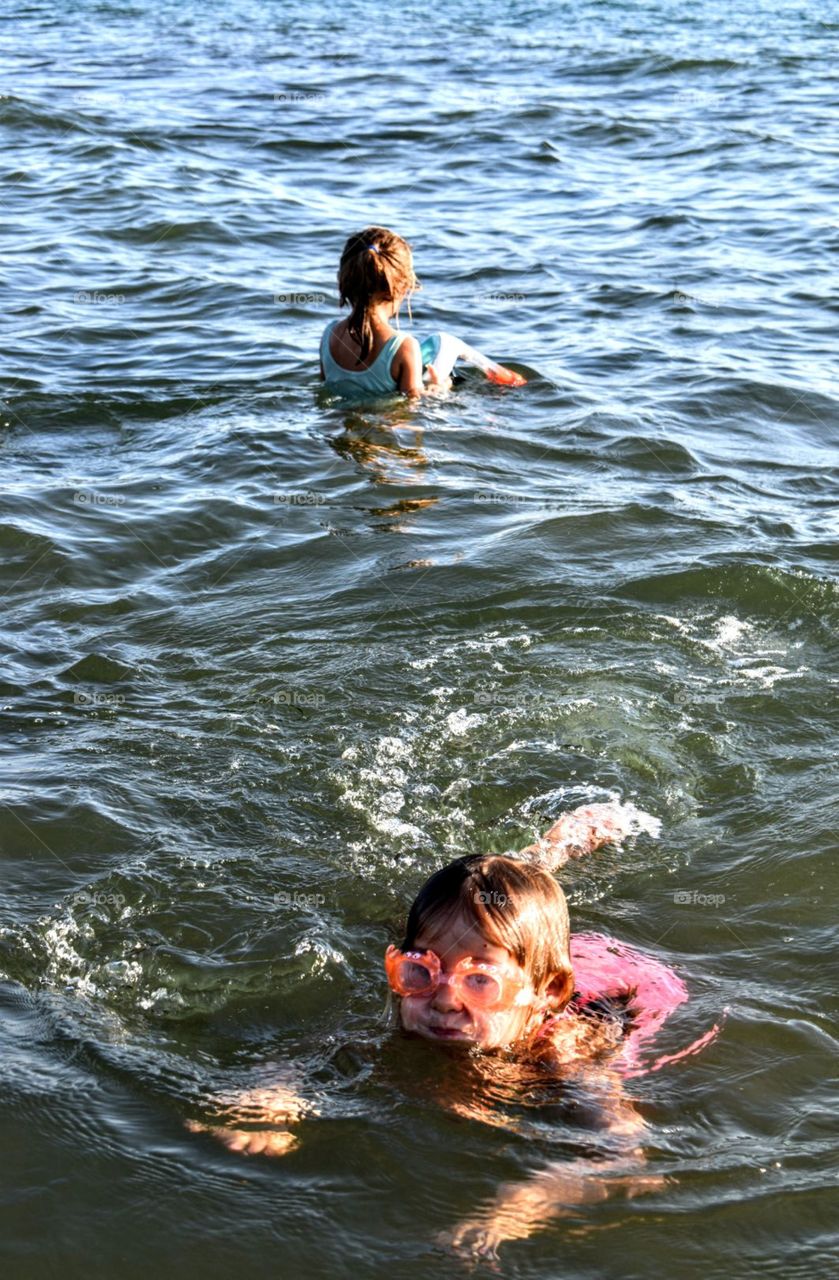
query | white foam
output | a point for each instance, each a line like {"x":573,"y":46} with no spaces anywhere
{"x":494,"y":641}
{"x":729,"y":631}
{"x":390,"y":748}
{"x":461,"y":721}
{"x":391,"y":802}
{"x":736,"y":643}
{"x":768,"y":676}
{"x":395,"y":828}
{"x":640,"y":820}
{"x":393,"y":775}
{"x":323,"y":954}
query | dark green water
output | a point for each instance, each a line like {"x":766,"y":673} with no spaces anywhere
{"x":270,"y":661}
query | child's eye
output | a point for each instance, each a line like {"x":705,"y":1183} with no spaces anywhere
{"x":415,"y":976}
{"x":482,"y":984}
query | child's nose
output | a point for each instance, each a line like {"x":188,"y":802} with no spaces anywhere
{"x":445,"y":997}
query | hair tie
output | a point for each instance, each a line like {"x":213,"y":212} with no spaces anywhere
{"x":374,"y":247}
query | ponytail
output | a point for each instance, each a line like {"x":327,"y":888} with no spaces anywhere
{"x":375,"y":262}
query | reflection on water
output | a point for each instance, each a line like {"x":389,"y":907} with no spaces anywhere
{"x":387,"y":460}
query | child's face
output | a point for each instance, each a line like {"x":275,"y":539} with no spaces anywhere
{"x":444,"y":1016}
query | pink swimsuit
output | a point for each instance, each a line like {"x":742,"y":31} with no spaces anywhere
{"x":603,"y":968}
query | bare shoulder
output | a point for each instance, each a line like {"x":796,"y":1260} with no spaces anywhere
{"x":567,"y":1042}
{"x":335,"y":335}
{"x":409,"y":348}
{"x":408,"y":356}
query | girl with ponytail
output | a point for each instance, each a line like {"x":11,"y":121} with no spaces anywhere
{"x":363,"y":355}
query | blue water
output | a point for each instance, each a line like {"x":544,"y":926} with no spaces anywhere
{"x":270,"y":660}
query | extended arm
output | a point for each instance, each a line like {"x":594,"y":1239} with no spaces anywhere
{"x":583,"y":830}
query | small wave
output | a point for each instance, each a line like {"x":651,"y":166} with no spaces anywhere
{"x":662,"y":221}
{"x":651,"y":453}
{"x":99,"y":668}
{"x":32,"y":546}
{"x":163,"y":230}
{"x":20,"y":114}
{"x":668,"y":65}
{"x":605,"y":131}
{"x":604,"y":297}
{"x":763,"y":590}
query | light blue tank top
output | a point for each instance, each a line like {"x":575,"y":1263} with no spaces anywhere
{"x":374,"y":381}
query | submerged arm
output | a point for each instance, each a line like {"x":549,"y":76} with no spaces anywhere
{"x":276,"y":1105}
{"x":519,"y":1209}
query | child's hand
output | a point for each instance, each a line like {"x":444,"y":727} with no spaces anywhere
{"x":277,"y":1105}
{"x":253,"y":1142}
{"x":592,"y":825}
{"x":518,"y":1212}
{"x":472,"y":1242}
{"x":434,"y":379}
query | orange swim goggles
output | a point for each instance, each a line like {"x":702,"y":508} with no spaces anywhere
{"x":474,"y":982}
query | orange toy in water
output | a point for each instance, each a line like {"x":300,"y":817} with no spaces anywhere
{"x":506,"y":377}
